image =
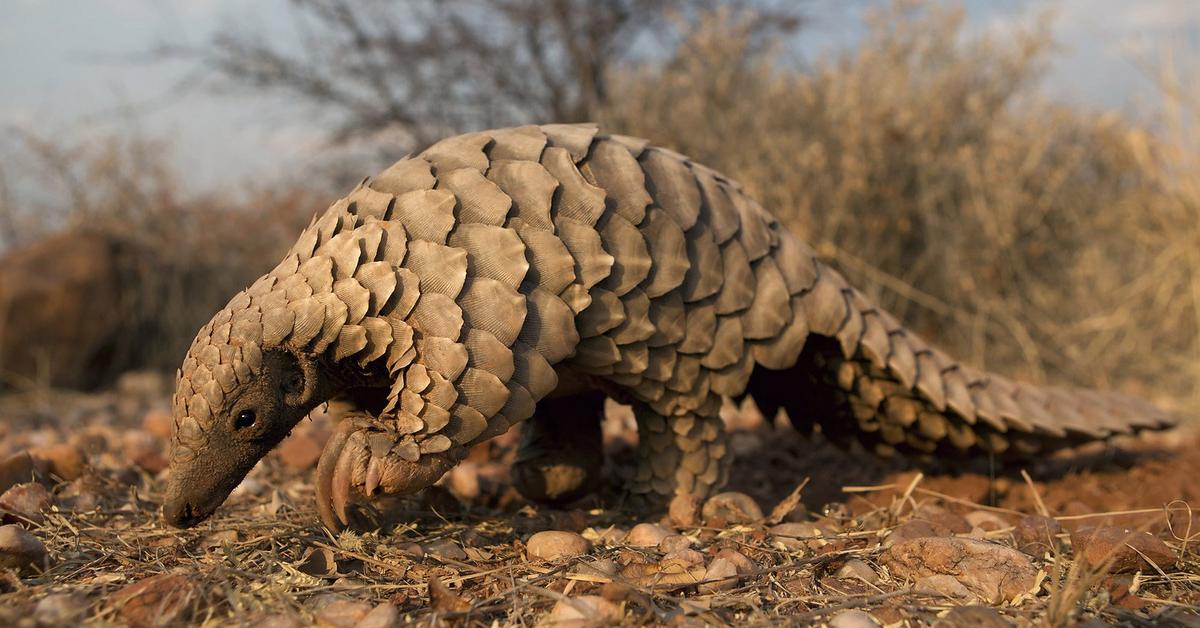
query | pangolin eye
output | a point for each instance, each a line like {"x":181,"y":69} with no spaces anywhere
{"x":244,"y":419}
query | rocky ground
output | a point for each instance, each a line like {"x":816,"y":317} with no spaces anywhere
{"x":808,"y":534}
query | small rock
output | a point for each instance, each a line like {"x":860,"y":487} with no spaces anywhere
{"x":25,"y":501}
{"x":647,"y":535}
{"x":1035,"y":534}
{"x":730,"y":508}
{"x":684,"y":510}
{"x":598,"y":567}
{"x":944,"y":522}
{"x":1118,"y":591}
{"x":685,"y":557}
{"x":299,"y":452}
{"x":972,"y":617}
{"x":944,"y":585}
{"x":382,"y":616}
{"x":857,"y":569}
{"x":154,"y":601}
{"x":853,"y":618}
{"x":555,"y":544}
{"x":64,"y":461}
{"x":78,"y":495}
{"x":463,"y":481}
{"x":674,"y":542}
{"x":145,"y":451}
{"x":744,"y":565}
{"x":991,"y":571}
{"x":445,"y":548}
{"x":60,"y":609}
{"x":721,"y":575}
{"x":795,"y":536}
{"x":411,"y":550}
{"x":341,"y":613}
{"x":158,"y":423}
{"x":1121,"y":549}
{"x":443,"y":600}
{"x":608,"y":535}
{"x":909,"y":530}
{"x":17,"y":468}
{"x":21,"y":550}
{"x":583,"y":611}
{"x":986,"y":521}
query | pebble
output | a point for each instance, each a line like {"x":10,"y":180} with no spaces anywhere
{"x":60,"y":609}
{"x":972,"y":617}
{"x":445,"y":548}
{"x":583,"y":611}
{"x":555,"y":544}
{"x":1036,"y":534}
{"x":21,"y":550}
{"x":794,"y":536}
{"x":25,"y":501}
{"x":685,"y":557}
{"x":1121,"y":549}
{"x":154,"y":601}
{"x":730,"y":508}
{"x":341,"y":613}
{"x":64,"y":461}
{"x":647,"y":535}
{"x":853,"y":618}
{"x":674,"y":542}
{"x":986,"y":521}
{"x":158,"y":423}
{"x":743,"y":564}
{"x":721,"y":575}
{"x":944,"y":585}
{"x":944,"y":522}
{"x":857,"y":569}
{"x":382,"y":616}
{"x":15,"y":469}
{"x":909,"y":530}
{"x":991,"y":571}
{"x":299,"y":452}
{"x":684,"y":511}
{"x":145,"y":450}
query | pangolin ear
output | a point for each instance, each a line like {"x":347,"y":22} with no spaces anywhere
{"x":300,"y":381}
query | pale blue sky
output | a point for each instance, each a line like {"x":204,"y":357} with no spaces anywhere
{"x":75,"y":71}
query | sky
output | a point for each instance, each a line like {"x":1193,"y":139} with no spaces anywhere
{"x":83,"y":71}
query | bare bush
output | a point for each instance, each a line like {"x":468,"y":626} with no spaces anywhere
{"x":1051,"y":242}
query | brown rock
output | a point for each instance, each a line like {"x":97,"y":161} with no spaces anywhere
{"x":1036,"y":534}
{"x":853,"y":618}
{"x":991,"y":571}
{"x":145,"y":450}
{"x":1121,"y":549}
{"x":909,"y":530}
{"x":944,"y":585}
{"x":21,"y":550}
{"x":647,"y":535}
{"x":445,"y":548}
{"x":743,"y":564}
{"x":972,"y":617}
{"x":299,"y":452}
{"x":795,"y":536}
{"x":1118,"y":591}
{"x":986,"y":521}
{"x":64,"y":461}
{"x":463,"y":481}
{"x":25,"y":501}
{"x":158,"y":423}
{"x":341,"y":613}
{"x":721,"y":575}
{"x":731,"y":508}
{"x":154,"y":601}
{"x":60,"y":609}
{"x":555,"y":544}
{"x":584,"y":611}
{"x":384,"y":615}
{"x":674,"y":542}
{"x":684,"y":510}
{"x":685,"y":557}
{"x":17,"y":468}
{"x":944,"y":522}
{"x":858,"y":570}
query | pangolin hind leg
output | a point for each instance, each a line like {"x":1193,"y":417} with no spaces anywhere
{"x":679,"y":454}
{"x":561,"y":452}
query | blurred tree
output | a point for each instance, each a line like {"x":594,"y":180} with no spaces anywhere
{"x":429,"y":68}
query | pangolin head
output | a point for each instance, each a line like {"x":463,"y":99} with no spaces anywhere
{"x":235,"y":399}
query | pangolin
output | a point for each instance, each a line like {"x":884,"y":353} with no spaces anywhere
{"x":525,"y":274}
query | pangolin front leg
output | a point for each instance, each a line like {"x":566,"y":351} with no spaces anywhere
{"x":368,"y":457}
{"x":678,"y":454}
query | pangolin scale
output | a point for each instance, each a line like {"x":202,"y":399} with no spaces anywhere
{"x":444,"y":299}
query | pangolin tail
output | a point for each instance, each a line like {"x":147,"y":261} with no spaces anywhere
{"x":861,"y":374}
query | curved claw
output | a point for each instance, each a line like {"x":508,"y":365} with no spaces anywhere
{"x":325,"y":472}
